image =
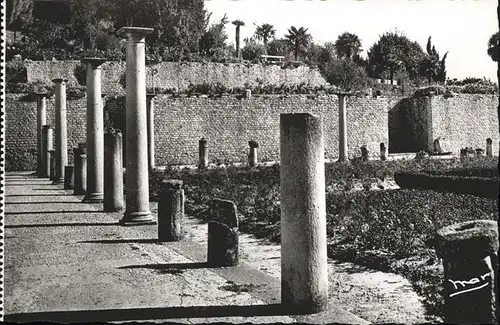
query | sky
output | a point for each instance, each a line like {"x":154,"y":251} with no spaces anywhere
{"x":461,"y":27}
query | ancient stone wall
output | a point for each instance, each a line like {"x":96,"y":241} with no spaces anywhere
{"x":20,"y":128}
{"x":228,"y":123}
{"x":464,"y":121}
{"x":181,"y":75}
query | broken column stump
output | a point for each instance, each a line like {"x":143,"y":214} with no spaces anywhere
{"x":364,"y":153}
{"x":383,"y":152}
{"x":51,"y":156}
{"x":69,"y":178}
{"x":203,"y":153}
{"x":80,"y":171}
{"x":468,"y":250}
{"x":223,"y":237}
{"x":170,"y":210}
{"x":113,"y":171}
{"x":252,"y":156}
{"x":489,"y":147}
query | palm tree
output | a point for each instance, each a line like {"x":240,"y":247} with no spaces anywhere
{"x":298,"y":38}
{"x":493,"y":47}
{"x":265,"y":32}
{"x":348,"y":45}
{"x":238,"y":24}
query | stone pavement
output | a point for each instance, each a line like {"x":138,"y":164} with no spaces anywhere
{"x":66,"y":261}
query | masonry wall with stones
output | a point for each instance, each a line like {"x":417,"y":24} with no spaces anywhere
{"x":181,"y":75}
{"x":464,"y":121}
{"x":20,"y":128}
{"x":228,"y":123}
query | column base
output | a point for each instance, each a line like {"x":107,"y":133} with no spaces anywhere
{"x":137,"y":218}
{"x":93,"y":198}
{"x":58,"y":181}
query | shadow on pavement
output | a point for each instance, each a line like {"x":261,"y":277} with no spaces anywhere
{"x":121,"y":241}
{"x":51,"y":212}
{"x":136,"y":314}
{"x":43,"y":202}
{"x":169,"y":266}
{"x":8,"y":184}
{"x":55,"y":194}
{"x":75,"y":224}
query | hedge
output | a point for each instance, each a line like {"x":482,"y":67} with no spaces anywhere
{"x":479,"y":186}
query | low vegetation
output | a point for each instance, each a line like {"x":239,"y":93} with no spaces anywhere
{"x":386,"y":230}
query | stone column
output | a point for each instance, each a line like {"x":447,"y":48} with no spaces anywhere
{"x":61,"y":155}
{"x":113,"y":171}
{"x":343,"y":155}
{"x":41,"y":119}
{"x":69,"y":177}
{"x":202,"y":153}
{"x":151,"y":129}
{"x":80,"y":172}
{"x":47,"y":145}
{"x":469,"y":253}
{"x":137,"y":183}
{"x":170,"y":210}
{"x":304,"y":269}
{"x":489,"y":147}
{"x":95,"y":132}
{"x":252,"y":156}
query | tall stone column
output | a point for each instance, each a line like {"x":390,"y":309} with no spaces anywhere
{"x":304,"y":268}
{"x":41,"y":120}
{"x":95,"y":132}
{"x":151,"y":129}
{"x":343,"y":155}
{"x":61,"y":150}
{"x":137,"y":182}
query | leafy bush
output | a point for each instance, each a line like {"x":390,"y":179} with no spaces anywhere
{"x":16,"y":72}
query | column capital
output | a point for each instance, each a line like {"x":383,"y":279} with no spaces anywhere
{"x":151,"y":96}
{"x":134,"y":34}
{"x":343,"y":93}
{"x":41,"y":93}
{"x":59,"y":80}
{"x":93,"y":61}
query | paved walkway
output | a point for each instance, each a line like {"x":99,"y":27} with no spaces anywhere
{"x":66,"y":261}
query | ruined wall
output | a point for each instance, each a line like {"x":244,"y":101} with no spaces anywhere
{"x":228,"y":123}
{"x":20,"y":128}
{"x":408,"y":125}
{"x":180,"y":75}
{"x":464,"y":121}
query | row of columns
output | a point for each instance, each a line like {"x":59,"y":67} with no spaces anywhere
{"x":139,"y":125}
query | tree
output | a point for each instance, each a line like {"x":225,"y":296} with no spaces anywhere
{"x":265,"y":32}
{"x":394,"y":52}
{"x":252,"y":50}
{"x":278,"y":47}
{"x":345,"y":74}
{"x":348,"y":45}
{"x":178,"y":25}
{"x":432,"y":67}
{"x":493,"y":47}
{"x":19,"y":15}
{"x":238,"y":24}
{"x":213,"y":42}
{"x":298,"y":39}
